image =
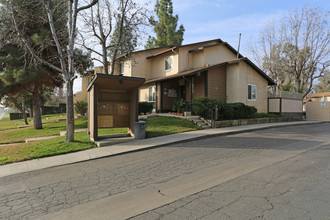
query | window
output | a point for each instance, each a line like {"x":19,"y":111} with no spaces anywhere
{"x":252,"y":92}
{"x":121,"y":68}
{"x":169,"y":62}
{"x":152,"y":94}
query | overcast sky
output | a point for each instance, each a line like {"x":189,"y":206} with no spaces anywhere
{"x":225,"y":19}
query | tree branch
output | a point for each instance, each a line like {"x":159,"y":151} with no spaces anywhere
{"x":27,"y":44}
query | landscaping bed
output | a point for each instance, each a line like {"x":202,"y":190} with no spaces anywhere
{"x":229,"y":123}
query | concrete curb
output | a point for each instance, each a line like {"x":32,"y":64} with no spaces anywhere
{"x":135,"y":146}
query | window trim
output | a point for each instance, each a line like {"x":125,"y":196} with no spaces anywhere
{"x":172,"y":66}
{"x":252,"y":99}
{"x":150,"y":87}
{"x":122,"y":68}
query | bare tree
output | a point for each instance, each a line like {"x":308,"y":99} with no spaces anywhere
{"x":113,"y":24}
{"x":65,"y":54}
{"x":294,"y":51}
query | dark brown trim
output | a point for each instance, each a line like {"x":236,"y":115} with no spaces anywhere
{"x":206,"y":93}
{"x":162,"y":53}
{"x":191,"y":89}
{"x":106,"y":76}
{"x":280,"y":105}
{"x":161,"y":97}
{"x":267,"y":105}
{"x":95,"y":113}
{"x":137,"y":105}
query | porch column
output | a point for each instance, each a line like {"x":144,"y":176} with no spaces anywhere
{"x":95,"y":130}
{"x":191,"y":89}
{"x":206,"y":83}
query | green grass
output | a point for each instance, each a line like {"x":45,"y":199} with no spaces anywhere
{"x":45,"y":148}
{"x":19,"y":135}
{"x":156,"y":126}
{"x":107,"y":131}
{"x":7,"y":124}
{"x":160,"y":126}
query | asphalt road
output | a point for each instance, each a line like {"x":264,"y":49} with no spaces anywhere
{"x":281,"y":173}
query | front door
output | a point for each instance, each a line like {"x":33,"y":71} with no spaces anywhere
{"x":182,"y":92}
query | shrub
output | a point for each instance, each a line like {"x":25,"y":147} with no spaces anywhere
{"x":145,"y":107}
{"x":208,"y":102}
{"x":81,"y":107}
{"x":238,"y":110}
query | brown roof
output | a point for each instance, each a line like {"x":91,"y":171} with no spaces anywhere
{"x":318,"y":94}
{"x":162,"y":52}
{"x":201,"y":69}
{"x":167,"y":47}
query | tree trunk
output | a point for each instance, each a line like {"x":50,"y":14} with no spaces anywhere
{"x":31,"y":108}
{"x":105,"y":59}
{"x":69,"y":112}
{"x":24,"y":112}
{"x":36,"y":108}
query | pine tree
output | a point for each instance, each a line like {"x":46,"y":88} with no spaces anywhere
{"x":165,"y":27}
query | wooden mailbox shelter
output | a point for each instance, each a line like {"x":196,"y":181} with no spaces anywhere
{"x":112,"y":103}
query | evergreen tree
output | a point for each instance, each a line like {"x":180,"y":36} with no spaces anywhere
{"x":20,"y":74}
{"x":166,"y":26}
{"x":19,"y":81}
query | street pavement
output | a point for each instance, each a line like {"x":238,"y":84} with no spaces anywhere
{"x":278,"y":173}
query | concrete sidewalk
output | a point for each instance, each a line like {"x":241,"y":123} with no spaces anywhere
{"x":132,"y":146}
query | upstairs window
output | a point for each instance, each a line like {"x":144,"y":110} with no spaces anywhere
{"x":252,"y":92}
{"x":169,"y":62}
{"x":121,"y":68}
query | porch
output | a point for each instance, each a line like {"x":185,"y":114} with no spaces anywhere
{"x":203,"y":82}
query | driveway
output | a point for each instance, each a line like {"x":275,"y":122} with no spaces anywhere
{"x":281,"y":173}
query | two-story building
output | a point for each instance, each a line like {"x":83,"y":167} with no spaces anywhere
{"x":211,"y":68}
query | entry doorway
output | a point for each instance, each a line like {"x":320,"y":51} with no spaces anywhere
{"x":182,"y":92}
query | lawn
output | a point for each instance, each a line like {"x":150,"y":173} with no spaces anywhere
{"x":50,"y":129}
{"x":39,"y":149}
{"x":160,"y":126}
{"x":156,"y":126}
{"x":6,"y":124}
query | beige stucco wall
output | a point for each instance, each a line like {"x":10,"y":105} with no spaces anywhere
{"x":217,"y":54}
{"x":232,"y":80}
{"x":139,"y":65}
{"x":314,"y":111}
{"x":274,"y":105}
{"x":127,"y":67}
{"x":144,"y":92}
{"x":291,"y":105}
{"x":197,"y":59}
{"x":238,"y":78}
{"x":82,"y":95}
{"x":158,"y":66}
{"x":187,"y":60}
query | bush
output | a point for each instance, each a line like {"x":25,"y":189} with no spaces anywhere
{"x":81,"y":107}
{"x":145,"y":107}
{"x":178,"y":105}
{"x":232,"y":111}
{"x":208,"y":102}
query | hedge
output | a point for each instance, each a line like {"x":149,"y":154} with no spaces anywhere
{"x":145,"y":107}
